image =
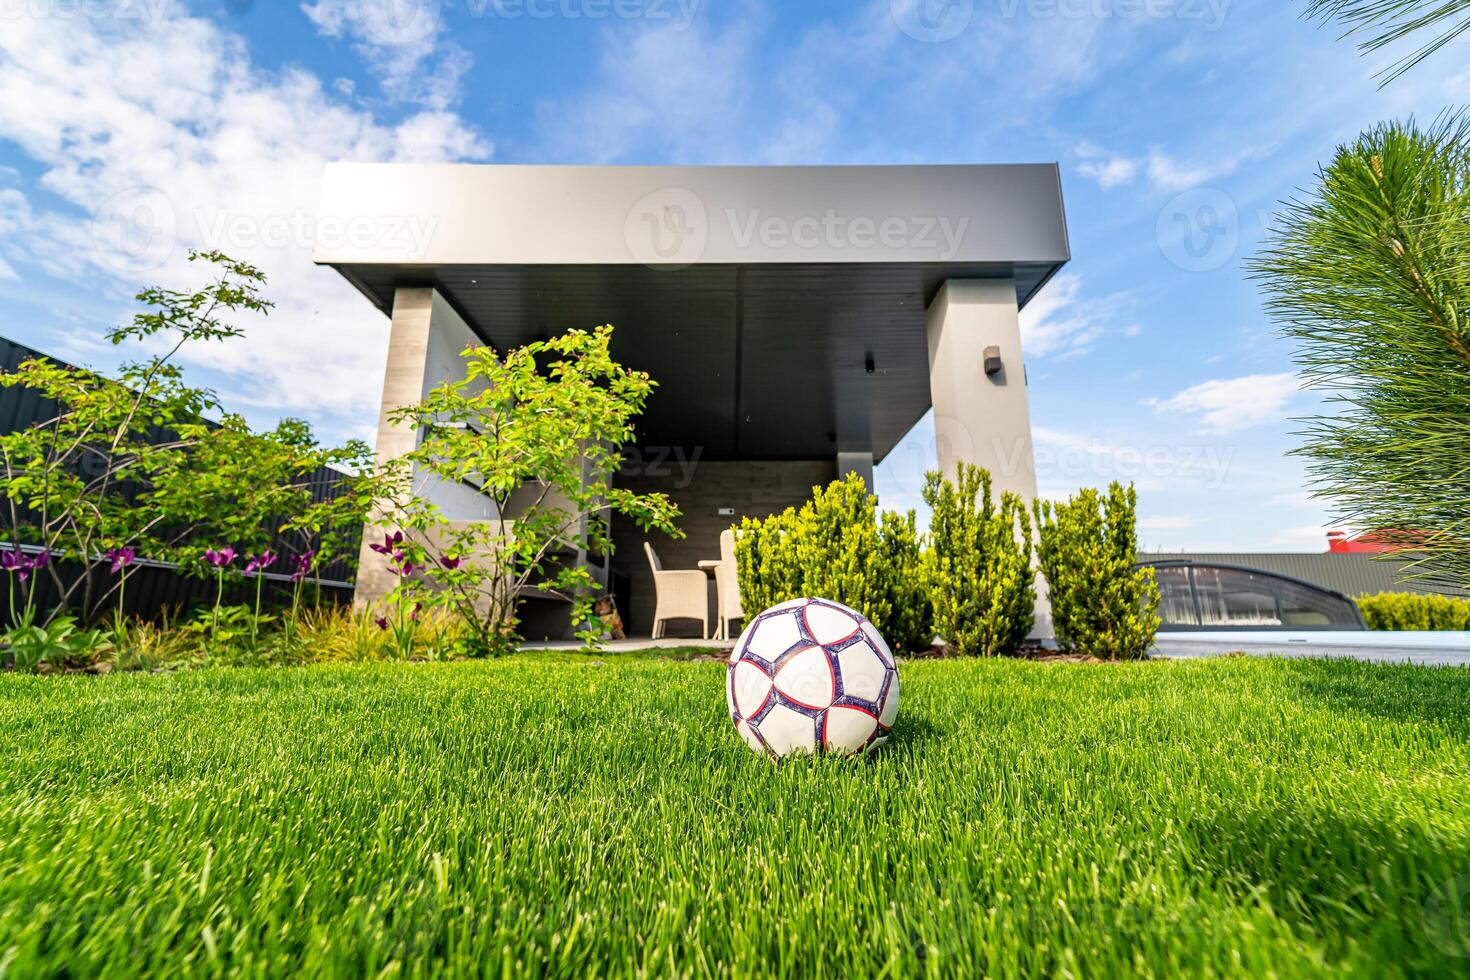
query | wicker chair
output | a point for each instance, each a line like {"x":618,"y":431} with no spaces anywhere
{"x":727,"y":586}
{"x":680,"y":594}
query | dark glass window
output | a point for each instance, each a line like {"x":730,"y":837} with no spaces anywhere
{"x":1232,"y":598}
{"x":1176,"y":596}
{"x":1208,"y":596}
{"x":1301,"y":606}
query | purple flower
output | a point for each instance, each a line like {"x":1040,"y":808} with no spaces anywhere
{"x":449,"y":562}
{"x":382,"y":622}
{"x":221,"y":558}
{"x":11,"y":559}
{"x":41,"y":559}
{"x":390,"y":543}
{"x":260,"y":562}
{"x":402,"y":565}
{"x":417,"y":607}
{"x":303,"y":565}
{"x":119,"y":558}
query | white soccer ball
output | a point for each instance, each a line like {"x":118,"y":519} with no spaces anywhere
{"x":809,"y":675}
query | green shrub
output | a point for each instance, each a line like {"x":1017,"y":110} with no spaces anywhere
{"x":1408,"y":611}
{"x":978,"y":566}
{"x":835,"y":547}
{"x":1102,"y":604}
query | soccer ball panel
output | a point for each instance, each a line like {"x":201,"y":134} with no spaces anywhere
{"x":787,"y":730}
{"x":750,"y":687}
{"x":751,"y":739}
{"x":862,"y":672}
{"x":828,"y":624}
{"x":773,"y":635}
{"x":847,"y":729}
{"x":890,"y":705}
{"x":806,"y":678}
{"x":879,"y":643}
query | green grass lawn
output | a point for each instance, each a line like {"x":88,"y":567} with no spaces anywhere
{"x":563,"y":814}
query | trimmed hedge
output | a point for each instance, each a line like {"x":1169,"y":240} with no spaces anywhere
{"x":1102,"y":605}
{"x":978,"y":565}
{"x":1409,"y":611}
{"x":836,"y":548}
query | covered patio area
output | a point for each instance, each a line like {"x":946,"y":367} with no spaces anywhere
{"x":798,"y":320}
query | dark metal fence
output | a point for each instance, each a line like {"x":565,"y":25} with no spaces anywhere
{"x":158,"y":588}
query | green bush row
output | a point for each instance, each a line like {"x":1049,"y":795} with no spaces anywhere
{"x":1407,"y":611}
{"x":971,"y":579}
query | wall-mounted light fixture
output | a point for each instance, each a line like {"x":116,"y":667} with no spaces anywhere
{"x":992,"y":360}
{"x":868,"y":365}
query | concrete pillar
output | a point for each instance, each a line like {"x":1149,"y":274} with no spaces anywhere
{"x":424,"y":347}
{"x":980,"y":410}
{"x":859,"y":463}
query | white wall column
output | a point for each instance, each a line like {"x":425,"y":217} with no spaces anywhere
{"x":980,"y":414}
{"x":424,"y":347}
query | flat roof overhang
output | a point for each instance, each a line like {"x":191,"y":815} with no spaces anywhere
{"x":782,"y":310}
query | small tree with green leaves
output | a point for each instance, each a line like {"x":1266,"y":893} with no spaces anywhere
{"x":1370,"y":276}
{"x":1103,"y":604}
{"x":132,"y":466}
{"x":978,"y":565}
{"x":538,"y":434}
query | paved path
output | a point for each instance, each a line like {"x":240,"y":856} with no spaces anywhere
{"x":1429,"y":649}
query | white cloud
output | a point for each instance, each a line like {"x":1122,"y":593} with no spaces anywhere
{"x":1231,"y":404}
{"x":1109,"y":170}
{"x":1171,"y":174}
{"x":402,"y":42}
{"x":1058,"y":321}
{"x":179,"y":127}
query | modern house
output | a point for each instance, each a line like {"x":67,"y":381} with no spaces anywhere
{"x":798,"y":320}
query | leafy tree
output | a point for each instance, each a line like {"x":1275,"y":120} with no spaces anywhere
{"x":1389,"y":21}
{"x":132,"y":464}
{"x":1103,"y":604}
{"x":1370,"y":275}
{"x":978,"y":565}
{"x":538,"y":432}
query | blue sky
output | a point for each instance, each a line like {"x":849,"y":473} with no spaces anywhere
{"x":1178,"y":125}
